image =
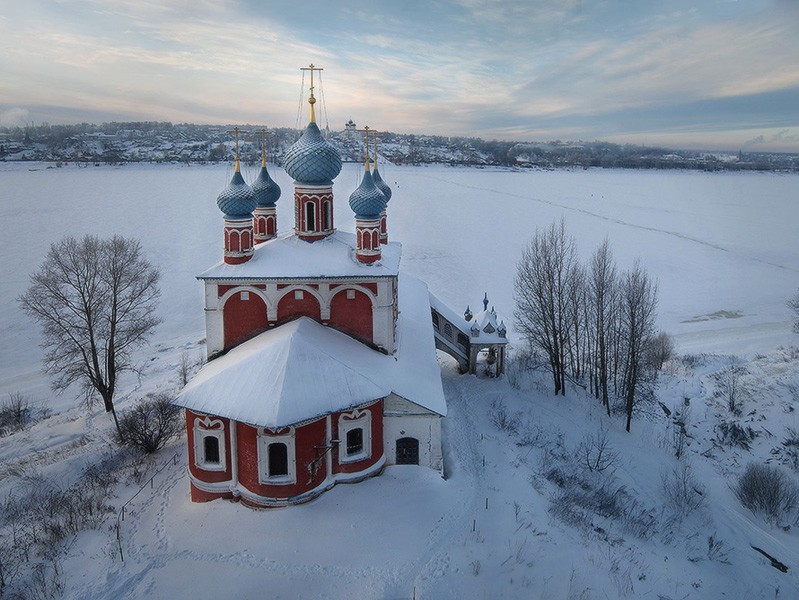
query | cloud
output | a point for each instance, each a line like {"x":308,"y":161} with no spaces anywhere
{"x":786,"y":135}
{"x":14,"y":116}
{"x":460,"y":67}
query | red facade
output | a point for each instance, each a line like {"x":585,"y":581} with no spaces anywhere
{"x":351,"y":312}
{"x":262,"y":467}
{"x":265,"y":224}
{"x":313,"y":213}
{"x":238,"y":240}
{"x":244,"y":317}
{"x":297,"y":303}
{"x":315,"y":451}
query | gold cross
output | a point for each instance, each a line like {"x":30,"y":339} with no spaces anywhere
{"x":237,"y":131}
{"x":263,"y":146}
{"x":375,"y":138}
{"x":311,"y":100}
{"x":366,"y":130}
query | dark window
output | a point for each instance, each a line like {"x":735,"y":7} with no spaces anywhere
{"x":435,"y":320}
{"x":354,"y":441}
{"x":310,"y":216}
{"x":211,"y":449}
{"x":278,"y":459}
{"x":463,"y":340}
{"x":407,"y":451}
{"x":448,"y":330}
{"x":326,"y":210}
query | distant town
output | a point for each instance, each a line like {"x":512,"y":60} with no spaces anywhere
{"x":162,"y":142}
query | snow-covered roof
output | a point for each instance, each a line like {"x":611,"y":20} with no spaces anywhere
{"x":302,"y":370}
{"x":489,"y":327}
{"x":287,"y":256}
{"x":486,"y":321}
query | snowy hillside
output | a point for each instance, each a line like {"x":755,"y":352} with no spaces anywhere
{"x":520,"y":514}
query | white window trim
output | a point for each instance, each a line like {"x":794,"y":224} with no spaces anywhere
{"x":264,"y":439}
{"x":204,"y":428}
{"x":354,"y":420}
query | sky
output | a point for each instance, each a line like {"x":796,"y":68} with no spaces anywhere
{"x":701,"y":74}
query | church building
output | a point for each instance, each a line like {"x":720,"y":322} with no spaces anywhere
{"x":322,"y":359}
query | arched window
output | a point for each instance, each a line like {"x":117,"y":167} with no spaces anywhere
{"x":435,"y":321}
{"x":235,"y":243}
{"x":327,"y":216}
{"x":448,"y":330}
{"x":209,"y":444}
{"x":354,"y":441}
{"x":276,"y":458}
{"x":310,"y":216}
{"x":211,"y":449}
{"x":355,"y":433}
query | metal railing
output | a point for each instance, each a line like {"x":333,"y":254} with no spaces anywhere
{"x":151,"y":482}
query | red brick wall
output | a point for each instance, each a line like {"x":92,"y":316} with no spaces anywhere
{"x":377,"y":442}
{"x":353,"y":316}
{"x":306,"y":438}
{"x":197,"y":472}
{"x":243,"y":319}
{"x":290,"y":308}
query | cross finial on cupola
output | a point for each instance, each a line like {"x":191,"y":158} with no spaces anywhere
{"x":374,"y":147}
{"x":313,"y":163}
{"x":237,"y":202}
{"x":384,"y":189}
{"x":368,"y":202}
{"x":312,"y":100}
{"x":368,"y":160}
{"x":236,"y":131}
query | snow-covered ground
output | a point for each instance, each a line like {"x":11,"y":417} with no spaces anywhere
{"x":506,"y":522}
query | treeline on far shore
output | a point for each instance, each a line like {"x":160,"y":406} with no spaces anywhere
{"x":150,"y":141}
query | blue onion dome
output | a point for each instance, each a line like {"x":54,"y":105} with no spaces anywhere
{"x":237,"y":200}
{"x":367,"y":201}
{"x":311,"y":159}
{"x":381,"y":185}
{"x":266,"y":190}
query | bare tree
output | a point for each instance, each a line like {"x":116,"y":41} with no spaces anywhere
{"x":732,"y":387}
{"x":793,"y":304}
{"x":602,"y":281}
{"x":152,"y":423}
{"x":659,"y":350}
{"x":543,"y":281}
{"x":637,"y":312}
{"x":95,"y":302}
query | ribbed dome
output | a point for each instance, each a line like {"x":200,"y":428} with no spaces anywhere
{"x":237,"y":200}
{"x":266,"y":190}
{"x":312,"y":159}
{"x":367,"y":201}
{"x":381,"y":185}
